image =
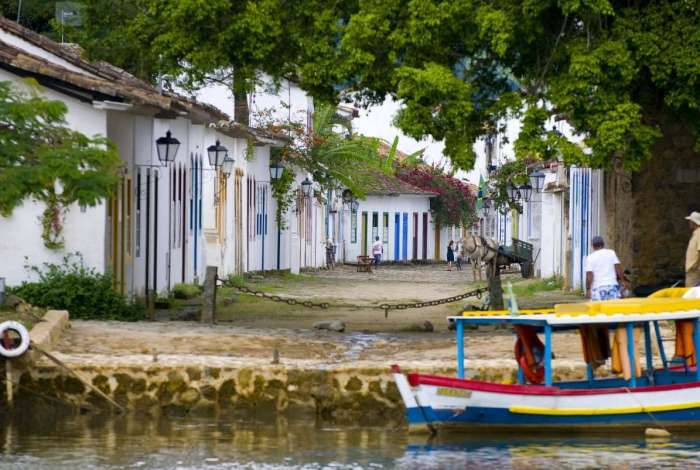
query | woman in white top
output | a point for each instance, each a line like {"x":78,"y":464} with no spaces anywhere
{"x":604,"y":272}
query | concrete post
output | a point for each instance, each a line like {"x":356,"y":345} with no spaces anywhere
{"x":209,"y":305}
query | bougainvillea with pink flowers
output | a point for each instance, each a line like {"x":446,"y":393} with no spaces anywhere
{"x":455,"y":203}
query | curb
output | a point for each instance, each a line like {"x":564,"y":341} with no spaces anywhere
{"x":46,"y":334}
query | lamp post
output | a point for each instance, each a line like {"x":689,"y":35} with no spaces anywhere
{"x":166,"y":149}
{"x":513,"y":192}
{"x":217,"y":154}
{"x":276,"y":171}
{"x":537,"y":180}
{"x":525,"y":191}
{"x":306,"y":187}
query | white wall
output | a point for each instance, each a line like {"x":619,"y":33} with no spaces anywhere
{"x":84,"y":229}
{"x":392,"y":205}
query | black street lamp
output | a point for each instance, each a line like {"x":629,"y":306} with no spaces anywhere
{"x":276,"y":171}
{"x":167,"y":148}
{"x":306,"y":187}
{"x":513,"y":192}
{"x":525,"y":192}
{"x":227,"y":166}
{"x":217,"y":154}
{"x":537,"y":180}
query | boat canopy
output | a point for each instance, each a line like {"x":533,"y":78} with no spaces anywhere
{"x":623,"y":314}
{"x":586,"y":313}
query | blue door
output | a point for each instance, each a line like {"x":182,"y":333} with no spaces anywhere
{"x":397,"y":232}
{"x":404,"y":233}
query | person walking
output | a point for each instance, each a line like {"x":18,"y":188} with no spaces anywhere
{"x":604,"y":273}
{"x":450,"y":255}
{"x":692,"y":254}
{"x":377,"y":250}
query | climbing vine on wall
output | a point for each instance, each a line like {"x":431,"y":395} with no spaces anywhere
{"x":44,"y":160}
{"x":284,"y":195}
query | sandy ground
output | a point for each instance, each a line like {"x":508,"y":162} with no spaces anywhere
{"x":253,"y":328}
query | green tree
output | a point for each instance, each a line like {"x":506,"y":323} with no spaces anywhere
{"x":619,"y":71}
{"x":42,"y":159}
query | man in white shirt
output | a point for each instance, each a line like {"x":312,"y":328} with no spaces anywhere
{"x":604,"y":272}
{"x":377,"y":250}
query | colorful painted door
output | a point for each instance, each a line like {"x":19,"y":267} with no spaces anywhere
{"x":425,"y":235}
{"x":397,"y":236}
{"x":404,"y":233}
{"x":415,"y":235}
{"x":119,"y":216}
{"x":364,"y":234}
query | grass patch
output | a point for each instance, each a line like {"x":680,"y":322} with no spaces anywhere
{"x":530,"y":287}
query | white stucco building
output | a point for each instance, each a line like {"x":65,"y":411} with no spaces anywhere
{"x":165,"y":223}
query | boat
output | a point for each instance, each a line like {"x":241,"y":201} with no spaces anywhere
{"x":665,"y":395}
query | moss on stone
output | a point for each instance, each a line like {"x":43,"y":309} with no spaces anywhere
{"x":144,"y":402}
{"x":244,"y":378}
{"x":392,"y":393}
{"x":275,"y":384}
{"x":73,"y":386}
{"x":123,"y":380}
{"x":227,"y":391}
{"x":208,"y":392}
{"x":194,"y":373}
{"x":353,"y":384}
{"x":375,"y":386}
{"x":138,"y":386}
{"x":102,"y":383}
{"x":176,"y":382}
{"x":189,"y":396}
{"x":164,"y":393}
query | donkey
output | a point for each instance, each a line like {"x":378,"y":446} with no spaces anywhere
{"x":480,"y":250}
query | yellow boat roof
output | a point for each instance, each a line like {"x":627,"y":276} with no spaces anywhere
{"x":665,"y":305}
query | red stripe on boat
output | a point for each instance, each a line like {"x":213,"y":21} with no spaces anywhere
{"x":475,"y":385}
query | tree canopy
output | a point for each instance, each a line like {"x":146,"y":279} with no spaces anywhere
{"x":612,"y":69}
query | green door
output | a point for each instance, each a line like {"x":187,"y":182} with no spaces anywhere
{"x":364,"y":234}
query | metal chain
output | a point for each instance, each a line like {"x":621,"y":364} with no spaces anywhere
{"x":431,"y":303}
{"x":386,"y":307}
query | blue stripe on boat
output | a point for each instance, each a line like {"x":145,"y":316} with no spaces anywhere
{"x":501,"y":416}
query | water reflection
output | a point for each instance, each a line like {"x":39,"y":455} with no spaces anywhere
{"x":100,"y":442}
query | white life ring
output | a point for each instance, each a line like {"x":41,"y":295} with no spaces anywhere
{"x":23,"y":335}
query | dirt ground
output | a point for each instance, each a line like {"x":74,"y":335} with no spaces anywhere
{"x":251,"y":327}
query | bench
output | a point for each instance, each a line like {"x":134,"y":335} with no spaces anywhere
{"x":364,"y":264}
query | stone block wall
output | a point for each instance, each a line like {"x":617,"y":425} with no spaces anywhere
{"x":646,"y":209}
{"x":363,"y":396}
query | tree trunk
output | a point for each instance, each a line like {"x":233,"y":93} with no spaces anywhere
{"x":241,"y":111}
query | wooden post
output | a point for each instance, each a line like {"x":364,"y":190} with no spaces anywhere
{"x":209,"y":306}
{"x":495,"y":287}
{"x":9,"y":382}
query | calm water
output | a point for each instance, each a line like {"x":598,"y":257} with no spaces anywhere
{"x":93,"y":442}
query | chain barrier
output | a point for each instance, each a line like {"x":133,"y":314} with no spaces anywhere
{"x":386,"y":307}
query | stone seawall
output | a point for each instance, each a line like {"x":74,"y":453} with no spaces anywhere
{"x":356,"y":395}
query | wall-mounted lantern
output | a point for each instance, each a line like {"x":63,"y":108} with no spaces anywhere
{"x":167,"y":148}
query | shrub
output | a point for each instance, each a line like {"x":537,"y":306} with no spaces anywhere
{"x":186,"y":291}
{"x":84,"y":292}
